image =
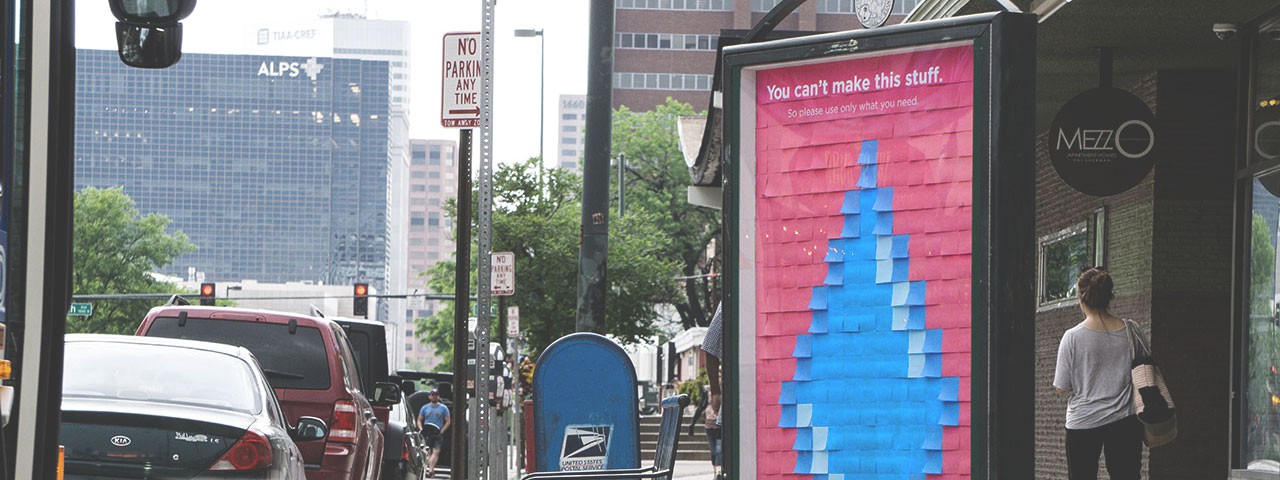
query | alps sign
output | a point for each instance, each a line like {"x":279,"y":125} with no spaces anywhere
{"x":311,"y":68}
{"x":460,"y":81}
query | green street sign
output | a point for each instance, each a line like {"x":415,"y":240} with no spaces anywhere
{"x":81,"y":309}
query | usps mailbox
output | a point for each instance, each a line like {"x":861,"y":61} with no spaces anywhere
{"x":585,"y":411}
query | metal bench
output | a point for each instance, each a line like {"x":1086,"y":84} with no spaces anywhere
{"x":663,"y":461}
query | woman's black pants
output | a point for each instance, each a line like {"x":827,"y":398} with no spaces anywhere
{"x":1121,"y":441}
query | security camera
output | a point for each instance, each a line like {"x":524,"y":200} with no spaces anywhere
{"x":1225,"y":31}
{"x":149,"y":32}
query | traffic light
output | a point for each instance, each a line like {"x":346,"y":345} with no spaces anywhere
{"x":360,"y":304}
{"x":208,"y":294}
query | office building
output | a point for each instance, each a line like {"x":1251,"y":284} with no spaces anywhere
{"x":569,"y":131}
{"x":667,"y":48}
{"x":433,"y":180}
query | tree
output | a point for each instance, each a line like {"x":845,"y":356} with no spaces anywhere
{"x":657,"y":182}
{"x":115,"y":247}
{"x":542,"y":230}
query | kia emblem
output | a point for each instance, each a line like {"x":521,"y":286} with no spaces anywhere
{"x":121,"y":441}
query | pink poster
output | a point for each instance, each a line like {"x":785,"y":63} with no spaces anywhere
{"x":864,"y":230}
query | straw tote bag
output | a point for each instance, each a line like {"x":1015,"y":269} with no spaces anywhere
{"x":1151,"y":399}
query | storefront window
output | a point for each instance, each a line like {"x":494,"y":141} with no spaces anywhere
{"x":1262,"y":328}
{"x":1062,"y":255}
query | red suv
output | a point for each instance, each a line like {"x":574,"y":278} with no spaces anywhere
{"x":312,"y":368}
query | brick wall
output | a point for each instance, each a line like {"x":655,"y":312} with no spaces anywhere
{"x":1168,"y":245}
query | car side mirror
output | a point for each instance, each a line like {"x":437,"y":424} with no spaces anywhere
{"x":385,"y":394}
{"x":309,"y":429}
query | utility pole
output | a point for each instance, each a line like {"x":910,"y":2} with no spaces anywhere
{"x":461,"y":307}
{"x":593,"y":256}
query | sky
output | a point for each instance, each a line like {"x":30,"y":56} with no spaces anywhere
{"x":516,"y":60}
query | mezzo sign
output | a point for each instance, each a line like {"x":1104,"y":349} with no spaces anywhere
{"x":1101,"y":141}
{"x":311,"y":68}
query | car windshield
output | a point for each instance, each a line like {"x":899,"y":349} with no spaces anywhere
{"x":290,"y":360}
{"x":159,"y":373}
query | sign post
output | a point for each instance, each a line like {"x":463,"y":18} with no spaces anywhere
{"x":460,"y":81}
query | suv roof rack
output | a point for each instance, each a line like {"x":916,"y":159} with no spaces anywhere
{"x":177,"y":300}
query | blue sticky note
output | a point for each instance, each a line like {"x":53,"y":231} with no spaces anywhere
{"x":818,"y":298}
{"x":867,"y":156}
{"x":820,"y":438}
{"x":867,"y":179}
{"x":901,"y":267}
{"x":851,"y":205}
{"x":950,"y":389}
{"x":804,"y":346}
{"x":932,"y":365}
{"x":819,"y":323}
{"x":884,"y":271}
{"x":884,"y":223}
{"x":788,"y":394}
{"x":835,"y":252}
{"x":916,"y":294}
{"x":915,"y":341}
{"x":950,"y":414}
{"x":884,"y":248}
{"x":900,"y":292}
{"x":915,"y":366}
{"x":915,"y":320}
{"x":884,"y":200}
{"x":819,"y":465}
{"x":804,"y":440}
{"x":933,"y":341}
{"x":933,"y":462}
{"x":932,"y":439}
{"x":803,"y":368}
{"x":803,"y":462}
{"x":835,"y":274}
{"x":900,"y":316}
{"x":850,"y":229}
{"x":804,"y":415}
{"x":788,"y":417}
{"x":900,"y":246}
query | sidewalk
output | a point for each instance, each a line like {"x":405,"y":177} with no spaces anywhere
{"x":693,"y":470}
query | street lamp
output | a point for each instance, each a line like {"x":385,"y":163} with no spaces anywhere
{"x":542,"y":86}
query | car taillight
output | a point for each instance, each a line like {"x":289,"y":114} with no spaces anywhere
{"x":343,"y":426}
{"x":251,"y":452}
{"x":404,"y":452}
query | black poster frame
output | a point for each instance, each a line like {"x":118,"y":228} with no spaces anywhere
{"x":1003,"y":295}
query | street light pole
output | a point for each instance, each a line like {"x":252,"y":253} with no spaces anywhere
{"x":542,"y":96}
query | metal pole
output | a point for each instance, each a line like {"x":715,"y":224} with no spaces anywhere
{"x":593,"y":256}
{"x":483,"y":428}
{"x":461,"y":306}
{"x":542,"y":104}
{"x":622,"y":184}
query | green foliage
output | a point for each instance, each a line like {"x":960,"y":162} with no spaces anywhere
{"x":542,"y":231}
{"x":657,"y":181}
{"x":694,"y":388}
{"x":1263,"y":391}
{"x":115,"y":247}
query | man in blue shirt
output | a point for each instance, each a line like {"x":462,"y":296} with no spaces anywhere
{"x":433,"y":421}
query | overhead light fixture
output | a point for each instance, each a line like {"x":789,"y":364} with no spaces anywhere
{"x":1046,"y":8}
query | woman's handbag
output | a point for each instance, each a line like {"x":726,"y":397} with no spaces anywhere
{"x":1151,"y":399}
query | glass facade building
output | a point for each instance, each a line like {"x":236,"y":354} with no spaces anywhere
{"x":276,"y":167}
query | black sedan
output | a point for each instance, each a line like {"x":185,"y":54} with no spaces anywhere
{"x":143,"y":407}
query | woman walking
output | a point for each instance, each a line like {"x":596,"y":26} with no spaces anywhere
{"x":1094,"y":368}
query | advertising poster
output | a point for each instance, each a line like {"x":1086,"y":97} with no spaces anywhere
{"x":862,"y":205}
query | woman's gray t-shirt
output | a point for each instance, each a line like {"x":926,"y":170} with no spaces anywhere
{"x":1094,"y":365}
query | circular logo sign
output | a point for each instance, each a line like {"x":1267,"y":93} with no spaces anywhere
{"x":1266,"y":133}
{"x":1101,"y":141}
{"x":121,"y":441}
{"x":873,"y":13}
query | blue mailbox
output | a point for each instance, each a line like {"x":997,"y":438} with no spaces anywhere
{"x":585,"y":409}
